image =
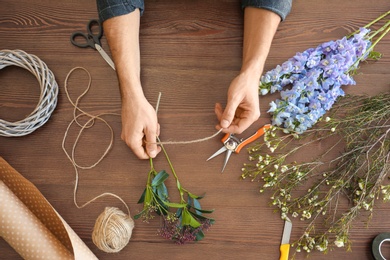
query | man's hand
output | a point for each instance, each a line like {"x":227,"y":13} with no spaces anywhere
{"x":140,"y":127}
{"x":139,"y":120}
{"x":242,"y":108}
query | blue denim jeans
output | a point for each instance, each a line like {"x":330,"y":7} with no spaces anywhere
{"x":111,"y":8}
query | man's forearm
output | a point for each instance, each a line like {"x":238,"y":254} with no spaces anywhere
{"x":242,"y":108}
{"x":260,"y":26}
{"x":122,"y":34}
{"x":139,"y":119}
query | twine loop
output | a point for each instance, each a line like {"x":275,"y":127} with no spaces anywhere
{"x":48,"y":97}
{"x":113,"y":227}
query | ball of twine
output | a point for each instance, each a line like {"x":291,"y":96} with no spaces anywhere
{"x":112,"y":231}
{"x":48,"y":97}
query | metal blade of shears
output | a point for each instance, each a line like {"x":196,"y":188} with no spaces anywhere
{"x":223,"y":149}
{"x":227,"y":156}
{"x":105,"y":56}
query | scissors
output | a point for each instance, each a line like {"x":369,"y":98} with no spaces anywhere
{"x":233,"y":144}
{"x":92,"y":40}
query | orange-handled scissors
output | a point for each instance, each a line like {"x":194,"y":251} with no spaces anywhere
{"x":233,"y":144}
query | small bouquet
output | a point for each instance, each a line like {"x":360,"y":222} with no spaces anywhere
{"x":316,"y":76}
{"x":188,"y":222}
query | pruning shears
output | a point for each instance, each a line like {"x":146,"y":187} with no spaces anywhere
{"x":232,"y":144}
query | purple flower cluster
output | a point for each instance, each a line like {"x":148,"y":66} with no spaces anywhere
{"x":173,"y":230}
{"x":315,"y":76}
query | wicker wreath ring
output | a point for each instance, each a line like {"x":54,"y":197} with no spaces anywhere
{"x":48,"y":97}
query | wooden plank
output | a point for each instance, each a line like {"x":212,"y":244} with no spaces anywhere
{"x":191,"y":50}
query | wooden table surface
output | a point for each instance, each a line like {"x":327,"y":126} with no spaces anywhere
{"x":191,"y":50}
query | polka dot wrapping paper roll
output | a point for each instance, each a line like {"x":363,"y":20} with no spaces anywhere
{"x":30,"y":225}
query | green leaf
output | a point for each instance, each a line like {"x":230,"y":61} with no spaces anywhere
{"x":175,"y":205}
{"x":148,"y":196}
{"x":194,"y":223}
{"x":375,"y":55}
{"x":162,"y":191}
{"x":201,"y":217}
{"x":197,"y":206}
{"x":194,"y":196}
{"x":185,"y":218}
{"x":178,"y":212}
{"x":162,"y":205}
{"x":188,"y":219}
{"x":160,"y":178}
{"x":194,"y":203}
{"x":139,"y":214}
{"x":203,"y":211}
{"x":199,"y":235}
{"x":142,"y":199}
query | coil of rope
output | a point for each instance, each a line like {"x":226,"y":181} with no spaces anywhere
{"x":48,"y":97}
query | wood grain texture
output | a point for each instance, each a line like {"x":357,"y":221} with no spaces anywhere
{"x":191,"y":50}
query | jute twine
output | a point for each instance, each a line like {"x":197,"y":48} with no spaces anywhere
{"x":113,"y":228}
{"x":47,"y":99}
{"x":182,"y":142}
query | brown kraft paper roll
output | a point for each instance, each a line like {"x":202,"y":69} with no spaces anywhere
{"x":31,"y":225}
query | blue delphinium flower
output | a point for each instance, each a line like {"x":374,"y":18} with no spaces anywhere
{"x":315,"y":76}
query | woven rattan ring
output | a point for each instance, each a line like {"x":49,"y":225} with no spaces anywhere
{"x":48,"y":97}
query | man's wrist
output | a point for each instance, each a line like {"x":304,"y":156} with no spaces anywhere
{"x":252,"y":69}
{"x":131,"y":91}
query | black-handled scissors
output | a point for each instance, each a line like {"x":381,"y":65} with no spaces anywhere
{"x":92,"y":40}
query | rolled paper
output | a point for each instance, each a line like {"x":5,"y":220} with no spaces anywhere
{"x":31,"y":225}
{"x":24,"y":232}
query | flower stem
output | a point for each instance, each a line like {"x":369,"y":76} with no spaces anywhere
{"x":173,"y":172}
{"x":386,"y":29}
{"x":370,"y":23}
{"x":151,"y":163}
{"x":383,"y":28}
{"x":167,"y":157}
{"x":377,"y":19}
{"x":150,"y":172}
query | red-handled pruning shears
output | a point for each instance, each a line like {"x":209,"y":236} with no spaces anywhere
{"x":233,"y":144}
